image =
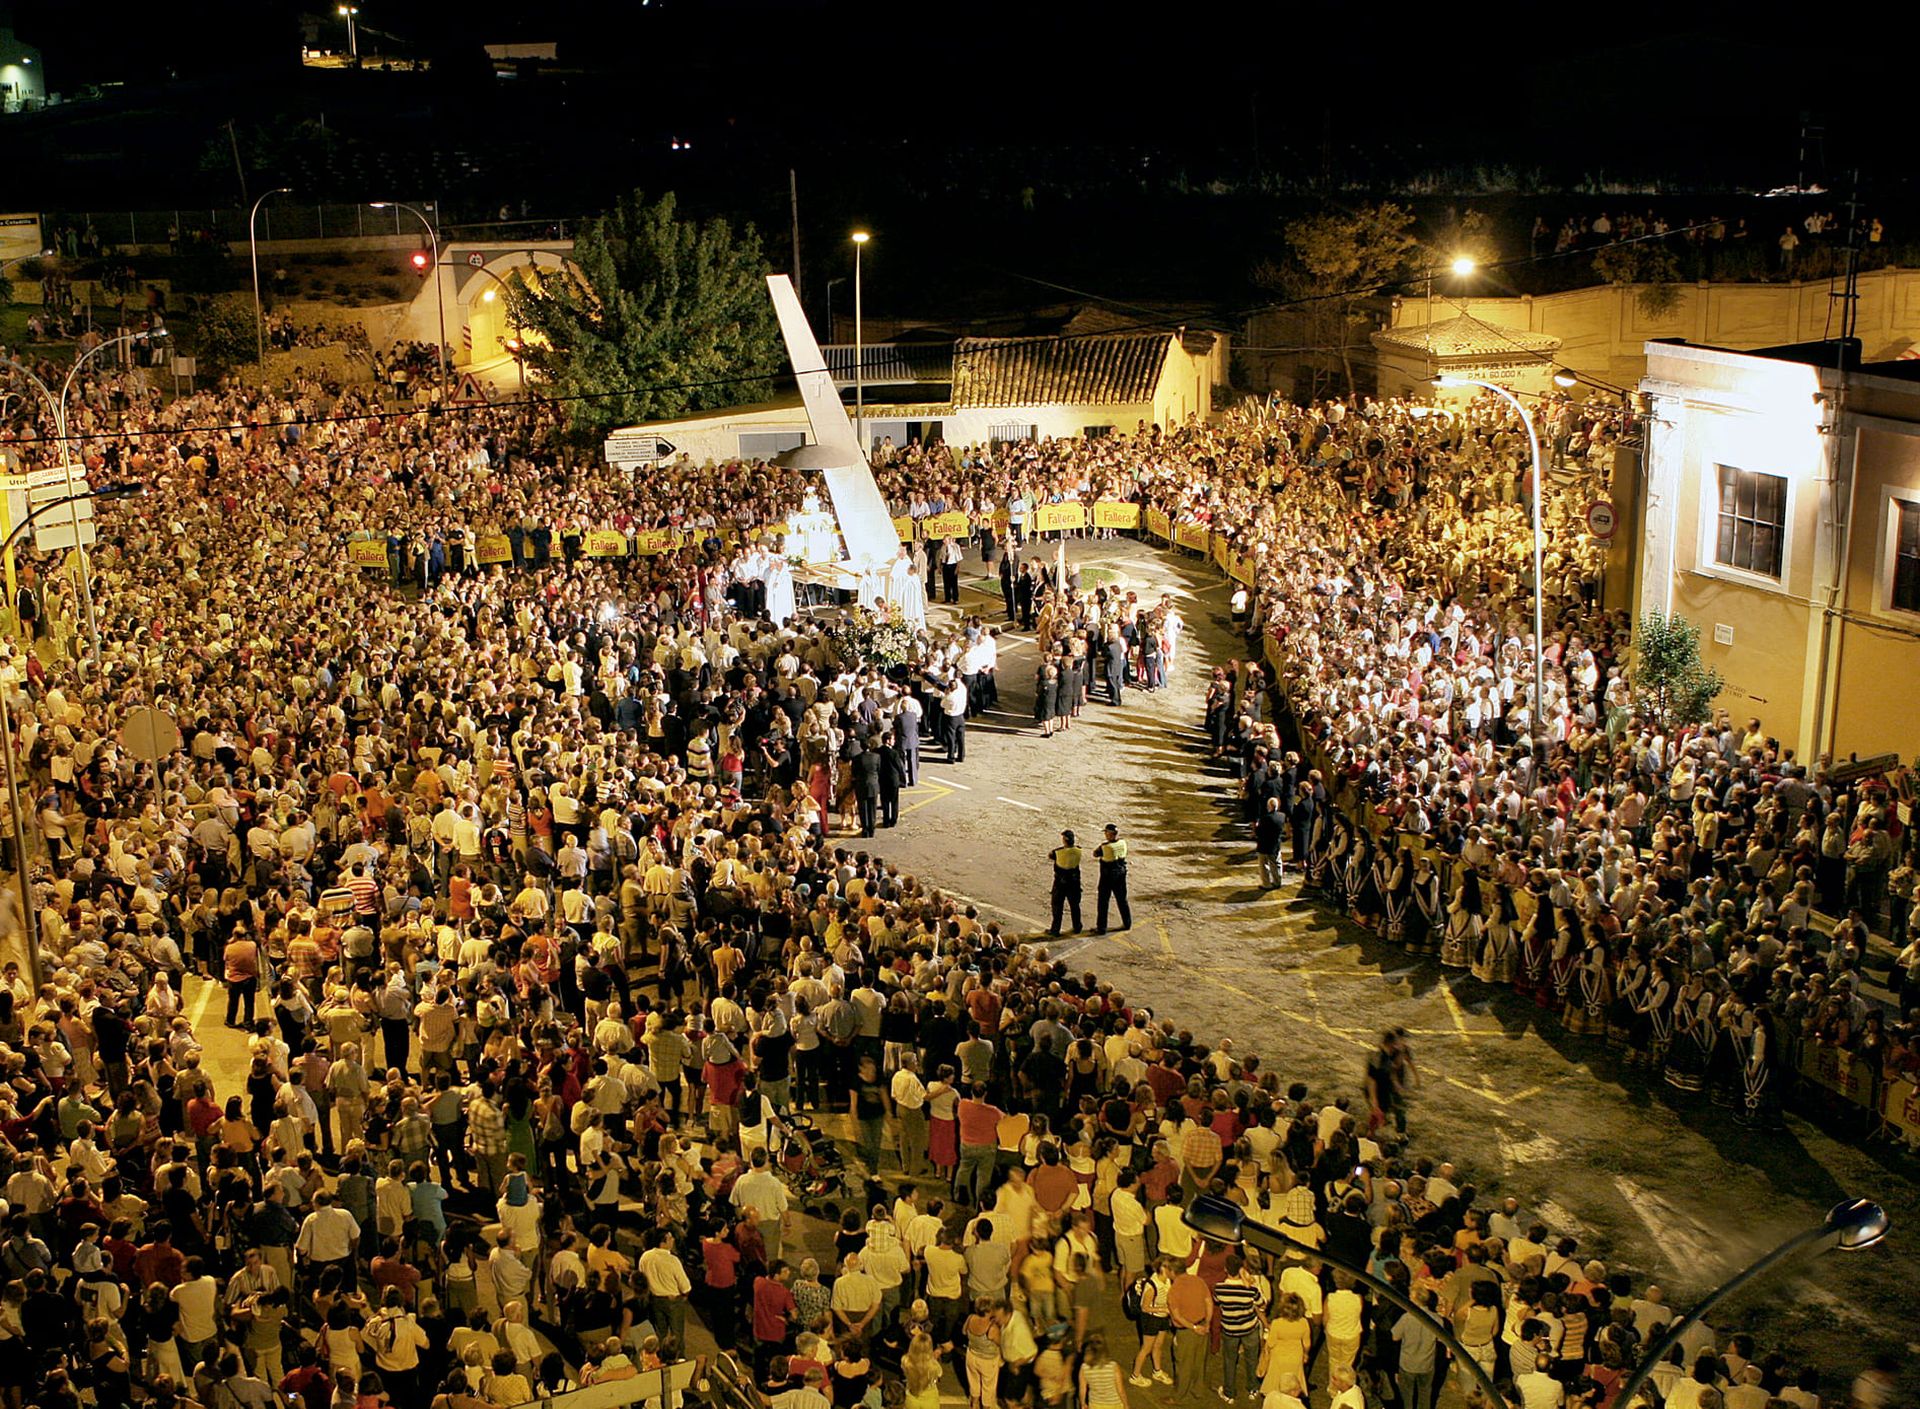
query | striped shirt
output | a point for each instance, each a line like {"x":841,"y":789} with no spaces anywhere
{"x":1239,"y":1304}
{"x":366,"y":894}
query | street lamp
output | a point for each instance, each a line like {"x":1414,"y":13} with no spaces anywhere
{"x":259,"y":319}
{"x":439,"y":284}
{"x":1539,"y":540}
{"x":1460,"y":265}
{"x":860,"y":238}
{"x":105,"y":491}
{"x":1853,"y":1224}
{"x":58,"y":406}
{"x":353,"y":37}
{"x":1220,"y":1221}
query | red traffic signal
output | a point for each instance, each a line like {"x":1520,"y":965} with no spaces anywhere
{"x":421,"y":261}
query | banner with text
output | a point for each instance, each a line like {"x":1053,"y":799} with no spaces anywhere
{"x":1191,"y":535}
{"x":606,"y":543}
{"x":1159,"y":525}
{"x":367,"y":553}
{"x":1057,"y":518}
{"x":1107,"y":513}
{"x":649,"y":542}
{"x":490,"y":548}
{"x":951,"y":524}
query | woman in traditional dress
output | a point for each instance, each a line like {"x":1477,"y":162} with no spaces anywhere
{"x":1465,"y":918}
{"x":1536,"y":946}
{"x":1394,"y":874}
{"x":1498,"y":957}
{"x":1592,"y":989}
{"x":1654,"y":1028}
{"x":1427,"y":908}
{"x":1363,"y":891}
{"x":1630,"y":981}
{"x":1694,"y":1033}
{"x":1334,"y":860}
{"x":1727,"y":1060}
{"x":1761,"y":1106}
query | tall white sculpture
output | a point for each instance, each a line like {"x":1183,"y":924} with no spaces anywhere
{"x":857,"y":504}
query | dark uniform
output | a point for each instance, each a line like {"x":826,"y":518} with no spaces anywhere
{"x":1066,"y":881}
{"x":1112,"y":856}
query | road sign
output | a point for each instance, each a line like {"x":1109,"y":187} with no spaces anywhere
{"x":1601,"y":521}
{"x":637,"y":448}
{"x":477,"y":260}
{"x":150,"y":734}
{"x":67,"y":525}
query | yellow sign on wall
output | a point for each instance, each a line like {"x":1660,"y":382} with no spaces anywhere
{"x":904,"y":527}
{"x":1110,"y":514}
{"x":1191,"y":535}
{"x":1159,"y":525}
{"x":492,"y":548}
{"x":367,"y":552}
{"x":952,"y":524}
{"x":1056,"y":518}
{"x":606,"y":543}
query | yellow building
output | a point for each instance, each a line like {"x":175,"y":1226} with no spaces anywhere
{"x":1779,"y":511}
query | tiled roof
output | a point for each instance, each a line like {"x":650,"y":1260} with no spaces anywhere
{"x":1105,"y":370}
{"x":1467,"y":336}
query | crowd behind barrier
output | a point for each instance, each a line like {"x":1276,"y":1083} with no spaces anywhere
{"x":552,"y":836}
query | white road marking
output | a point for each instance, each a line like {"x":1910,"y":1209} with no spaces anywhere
{"x":205,"y":1001}
{"x":1017,"y":803}
{"x":1678,"y":1235}
{"x":945,"y":783}
{"x":997,"y":909}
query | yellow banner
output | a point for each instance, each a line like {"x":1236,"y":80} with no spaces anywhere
{"x":904,"y":527}
{"x":492,"y":548}
{"x":952,"y":524}
{"x":1108,"y":514}
{"x":1055,"y":518}
{"x":648,"y":542}
{"x":1191,"y":535}
{"x":1002,"y":523}
{"x":1839,"y":1071}
{"x":1159,"y":525}
{"x":367,"y":552}
{"x":1220,"y":554}
{"x":606,"y":543}
{"x":1240,"y":568}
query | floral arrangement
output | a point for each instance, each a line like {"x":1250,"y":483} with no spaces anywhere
{"x":879,"y":638}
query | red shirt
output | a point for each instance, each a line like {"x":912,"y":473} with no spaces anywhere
{"x":772,"y":1305}
{"x":979,"y":1123}
{"x":722,"y":1262}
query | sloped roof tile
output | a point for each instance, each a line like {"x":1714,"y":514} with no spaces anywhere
{"x":1105,"y":370}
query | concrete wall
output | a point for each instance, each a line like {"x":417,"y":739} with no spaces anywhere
{"x":1878,"y":653}
{"x":1604,"y":331}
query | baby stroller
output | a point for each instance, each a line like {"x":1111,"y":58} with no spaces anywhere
{"x":813,"y":1167}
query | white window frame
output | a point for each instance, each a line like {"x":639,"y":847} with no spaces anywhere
{"x":1891,"y":497}
{"x":1707,"y":561}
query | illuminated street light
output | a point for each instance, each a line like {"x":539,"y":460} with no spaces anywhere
{"x":860,"y":238}
{"x":347,"y":12}
{"x":1464,"y":264}
{"x":1565,"y":379}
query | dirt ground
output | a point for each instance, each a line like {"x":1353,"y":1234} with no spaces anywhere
{"x":1680,"y":1194}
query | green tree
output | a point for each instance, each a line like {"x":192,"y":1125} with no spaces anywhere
{"x":1333,"y":262}
{"x":224,"y":331}
{"x":657,"y":316}
{"x":1675,"y":686}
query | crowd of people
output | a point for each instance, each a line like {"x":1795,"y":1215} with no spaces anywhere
{"x":552,"y":980}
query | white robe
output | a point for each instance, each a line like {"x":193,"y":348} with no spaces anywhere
{"x":873,"y":586}
{"x":897,"y":574}
{"x":780,"y":603}
{"x":913,"y":601}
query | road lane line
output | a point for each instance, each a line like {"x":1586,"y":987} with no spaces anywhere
{"x":1017,"y":803}
{"x":946,"y":783}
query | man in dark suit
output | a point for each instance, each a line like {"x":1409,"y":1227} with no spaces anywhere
{"x":866,"y":785}
{"x":893,"y":772}
{"x":1009,"y":573}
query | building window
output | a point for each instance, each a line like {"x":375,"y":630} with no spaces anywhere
{"x":1752,"y":527}
{"x":1906,"y":557}
{"x":1096,"y":432}
{"x":1012,"y":432}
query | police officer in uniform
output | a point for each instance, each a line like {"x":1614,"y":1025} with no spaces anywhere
{"x":1066,"y":880}
{"x":1112,"y":856}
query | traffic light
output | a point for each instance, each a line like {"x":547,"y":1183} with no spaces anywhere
{"x":422,"y":261}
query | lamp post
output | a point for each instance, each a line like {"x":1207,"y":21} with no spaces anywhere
{"x":439,"y":284}
{"x":106,"y":491}
{"x":860,"y":238}
{"x":1221,"y":1221}
{"x":1461,"y":266}
{"x":58,"y":406}
{"x":1539,"y":539}
{"x":259,"y":318}
{"x":1853,"y":1224}
{"x":353,"y":35}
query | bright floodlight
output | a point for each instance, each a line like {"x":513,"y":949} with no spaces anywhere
{"x":1446,"y":381}
{"x":487,"y":297}
{"x":860,"y":237}
{"x":1464,"y":264}
{"x":378,"y":205}
{"x":1859,"y":1223}
{"x":1215,"y":1219}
